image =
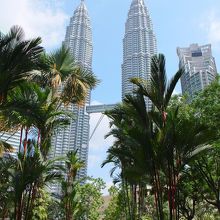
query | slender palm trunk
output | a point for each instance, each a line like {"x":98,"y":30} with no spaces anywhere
{"x":19,"y":210}
{"x":28,"y":203}
{"x":128,"y":199}
{"x":174,"y":190}
{"x":140,"y":200}
{"x":156,"y":201}
{"x":25,"y":141}
{"x":2,"y":97}
{"x":170,"y":190}
{"x":5,"y":212}
{"x":39,"y":139}
{"x":159,"y":193}
{"x":124,"y":198}
{"x":21,"y":134}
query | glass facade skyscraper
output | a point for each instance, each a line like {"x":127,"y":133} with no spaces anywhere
{"x":139,"y":45}
{"x":199,"y":68}
{"x":76,"y":136}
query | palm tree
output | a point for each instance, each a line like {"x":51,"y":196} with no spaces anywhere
{"x":176,"y":138}
{"x":6,"y":192}
{"x":30,"y":174}
{"x":73,"y":165}
{"x":132,"y":151}
{"x":34,"y":109}
{"x":158,"y":90}
{"x":146,"y":128}
{"x":76,"y":81}
{"x":18,"y":58}
{"x":78,"y":85}
{"x":5,"y":147}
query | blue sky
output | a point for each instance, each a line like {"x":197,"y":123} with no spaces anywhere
{"x":176,"y":23}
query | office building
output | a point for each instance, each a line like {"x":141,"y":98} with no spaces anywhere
{"x":76,"y":136}
{"x":139,"y":45}
{"x":199,"y":68}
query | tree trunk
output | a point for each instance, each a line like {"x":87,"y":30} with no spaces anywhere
{"x":158,"y":195}
{"x":170,"y":191}
{"x":19,"y":210}
{"x":25,"y":141}
{"x":21,"y":134}
{"x":28,"y":204}
{"x":38,"y":139}
{"x":2,"y":98}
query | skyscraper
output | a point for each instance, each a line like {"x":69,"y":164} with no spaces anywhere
{"x":139,"y":45}
{"x":76,"y":136}
{"x":12,"y":138}
{"x":199,"y":66}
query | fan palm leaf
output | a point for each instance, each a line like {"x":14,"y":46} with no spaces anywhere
{"x":31,"y":106}
{"x":5,"y":147}
{"x":18,"y":58}
{"x":158,"y":90}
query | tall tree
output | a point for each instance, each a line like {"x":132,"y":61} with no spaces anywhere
{"x":26,"y":175}
{"x":18,"y":58}
{"x":76,"y":81}
{"x":69,"y":198}
{"x":34,"y":109}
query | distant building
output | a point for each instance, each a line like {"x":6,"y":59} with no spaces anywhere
{"x":139,"y":45}
{"x":12,"y":138}
{"x":200,"y":68}
{"x":76,"y":136}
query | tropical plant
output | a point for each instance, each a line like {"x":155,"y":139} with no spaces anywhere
{"x":30,"y":174}
{"x":129,"y":151}
{"x":41,"y":205}
{"x":34,"y":109}
{"x":207,"y":169}
{"x":69,"y":198}
{"x":153,"y":147}
{"x":90,"y":199}
{"x":6,"y":192}
{"x":116,"y":207}
{"x":18,"y":58}
{"x":5,"y":147}
{"x":68,"y":80}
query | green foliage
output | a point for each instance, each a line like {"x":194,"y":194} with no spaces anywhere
{"x":70,"y":200}
{"x":40,"y":205}
{"x":153,"y":148}
{"x":18,"y":58}
{"x":116,"y":207}
{"x":6,"y":192}
{"x":207,"y":107}
{"x":90,"y":199}
{"x":31,"y":103}
{"x":55,"y":210}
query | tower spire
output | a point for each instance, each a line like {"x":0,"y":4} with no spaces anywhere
{"x":139,"y":45}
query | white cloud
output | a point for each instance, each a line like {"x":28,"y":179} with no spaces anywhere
{"x":211,"y":26}
{"x":95,"y":102}
{"x":37,"y":17}
{"x":97,"y":148}
{"x":98,"y":142}
{"x":94,"y":160}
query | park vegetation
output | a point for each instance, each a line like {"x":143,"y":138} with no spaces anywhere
{"x":32,"y":103}
{"x":165,"y":159}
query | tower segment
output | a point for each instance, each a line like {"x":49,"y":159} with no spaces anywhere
{"x":139,"y":45}
{"x":76,"y":136}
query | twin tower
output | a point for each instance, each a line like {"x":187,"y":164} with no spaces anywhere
{"x":139,"y":44}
